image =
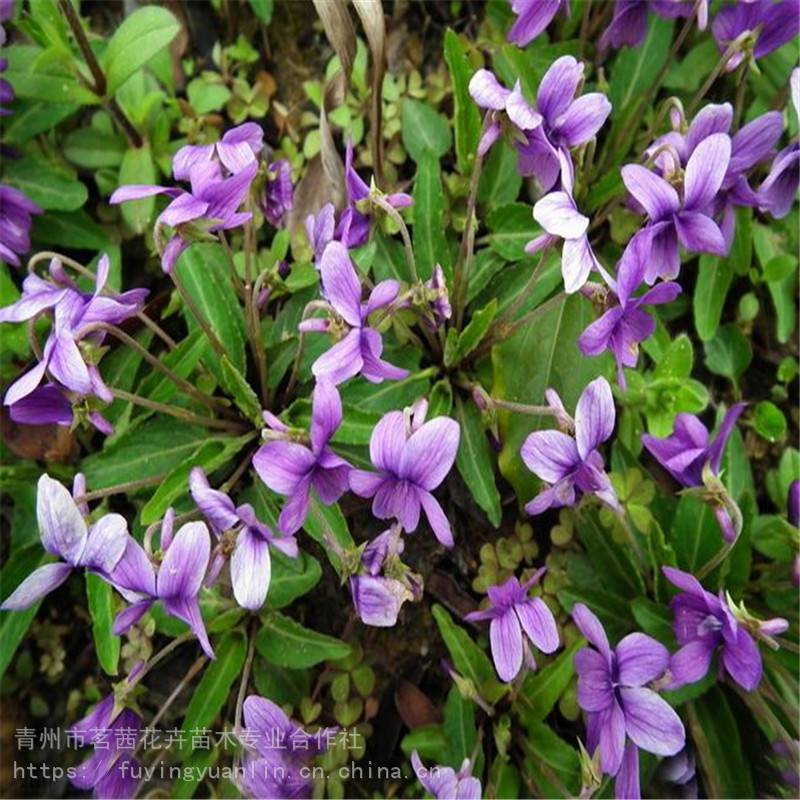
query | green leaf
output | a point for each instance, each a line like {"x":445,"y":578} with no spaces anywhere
{"x":466,"y":119}
{"x":783,"y":298}
{"x":475,"y":461}
{"x":512,"y":227}
{"x":287,"y":643}
{"x":654,"y":619}
{"x":769,"y":422}
{"x":33,"y":79}
{"x":263,"y":10}
{"x":182,"y":361}
{"x":504,"y":779}
{"x":541,"y":690}
{"x":44,"y":186}
{"x":240,"y":390}
{"x":75,"y":230}
{"x":99,"y":596}
{"x":472,"y":335}
{"x":424,"y":129}
{"x":613,"y":611}
{"x":214,"y":688}
{"x":468,"y":658}
{"x":14,"y":624}
{"x":459,"y":729}
{"x":714,"y":278}
{"x":550,"y":756}
{"x":389,"y":395}
{"x":206,"y":96}
{"x":154,"y":449}
{"x":140,"y":37}
{"x":715,"y":734}
{"x":548,"y":349}
{"x":32,"y":117}
{"x":695,"y":535}
{"x":291,"y":577}
{"x":430,"y":242}
{"x":617,"y":569}
{"x":205,"y":273}
{"x":428,"y":740}
{"x":500,"y":180}
{"x":193,"y":772}
{"x":283,"y":686}
{"x":328,"y":521}
{"x":138,"y":167}
{"x":213,"y":453}
{"x":780,"y":267}
{"x":729,"y":353}
{"x":93,"y":149}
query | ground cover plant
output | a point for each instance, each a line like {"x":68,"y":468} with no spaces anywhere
{"x":400,"y":399}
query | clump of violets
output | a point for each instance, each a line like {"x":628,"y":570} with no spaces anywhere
{"x":444,"y":783}
{"x":219,"y":176}
{"x":694,"y":461}
{"x":176,"y":582}
{"x":572,"y":464}
{"x":706,"y":624}
{"x":293,"y":469}
{"x":412,"y":457}
{"x":383,"y":583}
{"x":625,"y":324}
{"x":250,"y":560}
{"x":74,"y":344}
{"x":65,"y":534}
{"x":360,"y":346}
{"x":623,"y":714}
{"x":670,"y":219}
{"x":517,"y":619}
{"x":278,"y":752}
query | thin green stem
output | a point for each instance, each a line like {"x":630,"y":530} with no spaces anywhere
{"x":251,"y":651}
{"x":120,"y":488}
{"x":392,"y":212}
{"x":716,"y":560}
{"x":522,"y":408}
{"x":732,"y":48}
{"x":218,"y":347}
{"x":523,"y":295}
{"x":212,"y":403}
{"x":178,"y":413}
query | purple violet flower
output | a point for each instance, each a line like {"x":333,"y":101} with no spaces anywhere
{"x":558,"y":214}
{"x":278,"y":196}
{"x":250,"y":561}
{"x":779,"y":23}
{"x":49,"y":404}
{"x":176,"y":583}
{"x":511,"y":105}
{"x":439,"y":309}
{"x":444,"y":783}
{"x":613,"y":693}
{"x":360,"y":349}
{"x":566,"y":122}
{"x":378,"y":597}
{"x":110,"y":770}
{"x":689,"y":222}
{"x":573,"y":464}
{"x":681,"y":772}
{"x":320,"y":229}
{"x":64,"y":533}
{"x":354,"y":226}
{"x":293,"y":469}
{"x":210,"y":206}
{"x":278,"y":752}
{"x":237,"y":149}
{"x":625,"y":324}
{"x":15,"y":223}
{"x":687,"y":455}
{"x":533,"y":16}
{"x":513,"y":612}
{"x":779,"y":190}
{"x":629,"y":24}
{"x":704,"y":623}
{"x":793,"y":504}
{"x":73,"y":313}
{"x":412,"y":458}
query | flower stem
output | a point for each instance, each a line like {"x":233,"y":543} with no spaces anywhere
{"x":464,"y":258}
{"x":99,"y":85}
{"x":120,"y":488}
{"x":522,"y":408}
{"x":218,"y":347}
{"x":715,"y":73}
{"x":251,"y":651}
{"x":210,"y":402}
{"x":383,"y":204}
{"x":716,"y":560}
{"x":178,"y":413}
